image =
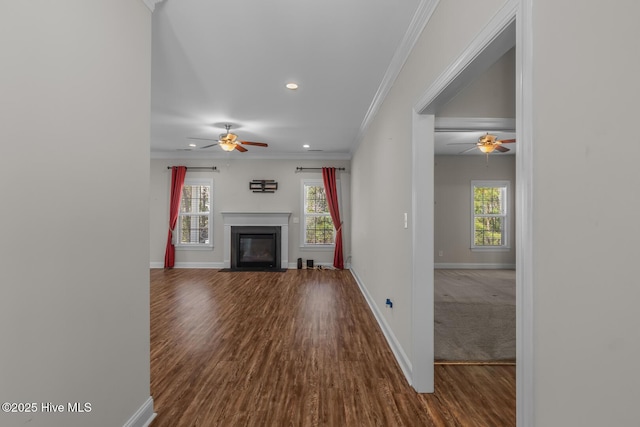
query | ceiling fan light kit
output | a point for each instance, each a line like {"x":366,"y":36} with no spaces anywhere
{"x":488,"y":144}
{"x":486,"y":148}
{"x":227,"y":146}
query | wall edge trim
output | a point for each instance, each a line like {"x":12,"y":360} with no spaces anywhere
{"x":394,"y":344}
{"x":143,"y":416}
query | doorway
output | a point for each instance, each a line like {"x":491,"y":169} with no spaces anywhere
{"x":500,"y":34}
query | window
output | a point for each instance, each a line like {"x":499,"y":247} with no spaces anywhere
{"x":317,"y":226}
{"x":489,"y":200}
{"x":195,"y":220}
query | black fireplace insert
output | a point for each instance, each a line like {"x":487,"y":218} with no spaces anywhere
{"x":255,"y":248}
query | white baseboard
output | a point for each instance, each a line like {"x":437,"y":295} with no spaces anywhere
{"x":473,"y":266}
{"x":189,"y":265}
{"x":199,"y":265}
{"x":143,"y":416}
{"x":396,"y":348}
{"x":219,"y":265}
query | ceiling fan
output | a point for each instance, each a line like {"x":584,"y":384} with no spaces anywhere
{"x":489,"y":143}
{"x":229,"y":141}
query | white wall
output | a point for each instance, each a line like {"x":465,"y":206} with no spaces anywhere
{"x":381,"y":166}
{"x":587,"y":205}
{"x":493,"y":94}
{"x":231,"y":193}
{"x":74,"y":166}
{"x":452,"y":231}
{"x":586,"y":200}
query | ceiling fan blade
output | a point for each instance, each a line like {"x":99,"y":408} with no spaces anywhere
{"x":210,"y":145}
{"x":259,"y":144}
{"x":202,"y":139}
{"x":506,"y":141}
{"x":240,"y":148}
{"x":467,"y":150}
{"x":502,"y":149}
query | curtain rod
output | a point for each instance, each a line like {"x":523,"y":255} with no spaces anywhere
{"x":213,"y":168}
{"x":299,"y":169}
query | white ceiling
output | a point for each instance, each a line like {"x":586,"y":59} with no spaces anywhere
{"x":227,"y":62}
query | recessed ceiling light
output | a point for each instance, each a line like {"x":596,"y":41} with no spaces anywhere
{"x":192,"y":145}
{"x":292,"y":86}
{"x":306,"y":146}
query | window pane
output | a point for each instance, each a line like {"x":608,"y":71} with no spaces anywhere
{"x":187,"y":196}
{"x":195,"y":198}
{"x":315,"y":200}
{"x":203,"y":198}
{"x":488,"y":200}
{"x":203,"y":227}
{"x":194,"y":229}
{"x":488,"y":231}
{"x":319,"y":230}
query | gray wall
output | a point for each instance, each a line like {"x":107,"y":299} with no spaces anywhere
{"x":381,"y":166}
{"x":586,"y":199}
{"x":75,"y":182}
{"x":493,"y":94}
{"x":452,"y":231}
{"x":587,"y":205}
{"x":231,"y":193}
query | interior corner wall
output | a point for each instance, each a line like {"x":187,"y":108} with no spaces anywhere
{"x":74,"y":115}
{"x":493,"y":94}
{"x":231,"y":193}
{"x":381,"y":166}
{"x":452,"y":230}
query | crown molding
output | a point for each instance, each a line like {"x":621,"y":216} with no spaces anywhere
{"x":151,"y":4}
{"x":420,"y":18}
{"x":223,"y":155}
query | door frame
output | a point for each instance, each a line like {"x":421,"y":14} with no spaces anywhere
{"x":511,"y":25}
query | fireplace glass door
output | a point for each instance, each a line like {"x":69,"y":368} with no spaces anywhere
{"x":257,"y":250}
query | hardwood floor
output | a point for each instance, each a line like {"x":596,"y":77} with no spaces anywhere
{"x":299,"y":348}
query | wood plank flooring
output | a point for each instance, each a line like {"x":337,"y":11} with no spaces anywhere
{"x":299,"y":348}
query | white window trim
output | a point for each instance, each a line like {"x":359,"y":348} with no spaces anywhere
{"x":507,"y":217}
{"x":197,"y":246}
{"x":303,"y":244}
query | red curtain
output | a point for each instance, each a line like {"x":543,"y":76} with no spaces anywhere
{"x":331,"y":190}
{"x":177,"y":183}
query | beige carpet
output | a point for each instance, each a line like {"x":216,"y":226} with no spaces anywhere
{"x":475,"y":315}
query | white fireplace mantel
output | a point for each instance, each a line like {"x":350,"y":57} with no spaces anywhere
{"x":277,"y":219}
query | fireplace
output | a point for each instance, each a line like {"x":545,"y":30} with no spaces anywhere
{"x":255,"y":248}
{"x":258,"y":228}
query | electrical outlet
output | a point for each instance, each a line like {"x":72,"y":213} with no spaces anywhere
{"x":440,"y":252}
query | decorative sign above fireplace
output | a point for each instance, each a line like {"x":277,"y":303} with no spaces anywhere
{"x":263,"y":186}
